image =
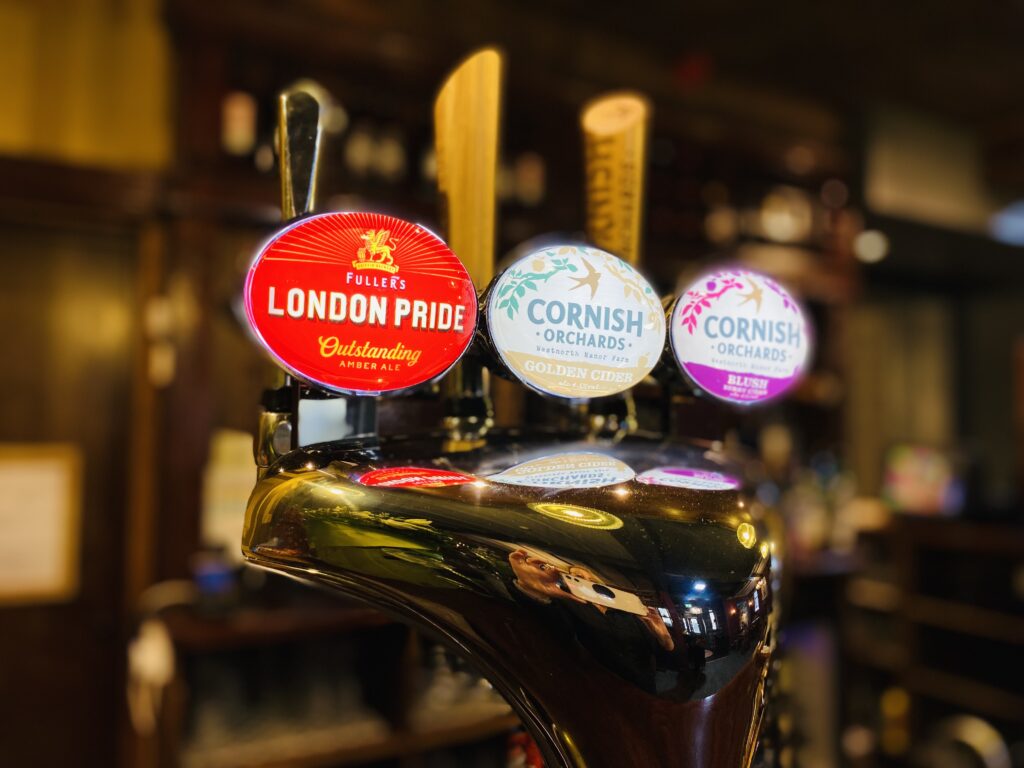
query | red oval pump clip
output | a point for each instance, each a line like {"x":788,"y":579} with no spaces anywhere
{"x":361,"y":303}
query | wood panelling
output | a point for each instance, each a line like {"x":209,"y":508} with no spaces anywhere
{"x":67,"y":308}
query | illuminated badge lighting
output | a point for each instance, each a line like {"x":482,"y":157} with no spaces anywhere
{"x":693,"y":479}
{"x":585,"y":517}
{"x":576,"y":322}
{"x":567,"y":470}
{"x":361,"y":303}
{"x":740,"y":336}
{"x":746,"y":535}
{"x":414,"y":477}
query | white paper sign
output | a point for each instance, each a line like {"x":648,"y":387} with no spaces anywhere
{"x":40,"y":490}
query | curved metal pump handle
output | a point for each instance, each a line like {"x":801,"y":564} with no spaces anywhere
{"x":301,"y":112}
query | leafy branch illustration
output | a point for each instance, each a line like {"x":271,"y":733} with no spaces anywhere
{"x":632,"y":287}
{"x":521,"y":281}
{"x":699,"y":300}
{"x":787,"y":302}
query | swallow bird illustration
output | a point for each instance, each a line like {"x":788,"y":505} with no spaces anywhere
{"x":591,"y":280}
{"x":755,"y":295}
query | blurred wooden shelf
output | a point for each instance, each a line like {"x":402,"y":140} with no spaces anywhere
{"x":883,"y":655}
{"x":966,"y":692}
{"x":48,"y":190}
{"x":966,"y":619}
{"x":823,"y":564}
{"x":192,"y":631}
{"x":959,"y":535}
{"x":396,"y":744}
{"x":947,"y":652}
{"x":872,"y":594}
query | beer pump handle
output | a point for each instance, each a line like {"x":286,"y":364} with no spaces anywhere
{"x":614,"y":129}
{"x":467,"y":112}
{"x":301,"y":117}
{"x":615,"y":145}
{"x":466,"y":124}
{"x":301,"y":112}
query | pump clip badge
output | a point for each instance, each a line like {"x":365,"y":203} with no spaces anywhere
{"x":740,"y":336}
{"x":575,"y":321}
{"x":361,"y":303}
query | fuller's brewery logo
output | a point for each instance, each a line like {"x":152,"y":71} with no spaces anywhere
{"x":376,"y":254}
{"x":339,"y":323}
{"x":739,"y":336}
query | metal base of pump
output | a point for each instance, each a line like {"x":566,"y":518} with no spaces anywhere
{"x":628,"y":622}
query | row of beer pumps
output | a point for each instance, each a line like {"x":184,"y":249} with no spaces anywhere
{"x":614,"y":585}
{"x":360,"y":305}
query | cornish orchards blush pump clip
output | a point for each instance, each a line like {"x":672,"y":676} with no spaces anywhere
{"x":739,"y":336}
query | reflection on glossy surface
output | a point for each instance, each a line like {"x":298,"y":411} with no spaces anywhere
{"x":746,"y":535}
{"x":574,"y":514}
{"x":566,"y":469}
{"x":628,"y":624}
{"x":687,"y":477}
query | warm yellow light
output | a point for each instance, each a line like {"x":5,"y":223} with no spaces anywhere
{"x":587,"y":517}
{"x":871,"y":246}
{"x":746,"y":534}
{"x":894,"y":702}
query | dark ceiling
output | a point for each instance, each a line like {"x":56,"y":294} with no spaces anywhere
{"x":963,"y":60}
{"x":770,"y":75}
{"x":800,"y":69}
{"x":960,"y":60}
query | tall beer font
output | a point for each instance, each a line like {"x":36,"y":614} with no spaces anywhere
{"x":618,"y":594}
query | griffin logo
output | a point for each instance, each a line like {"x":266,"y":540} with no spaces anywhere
{"x":376,"y":253}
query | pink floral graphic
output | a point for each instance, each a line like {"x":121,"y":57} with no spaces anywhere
{"x":697,"y":300}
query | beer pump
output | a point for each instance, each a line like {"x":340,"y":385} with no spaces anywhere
{"x":615,"y":130}
{"x":466,"y":121}
{"x":578,"y":321}
{"x":616,"y":592}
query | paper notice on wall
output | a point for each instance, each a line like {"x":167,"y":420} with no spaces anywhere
{"x":227,"y":484}
{"x":40,"y":497}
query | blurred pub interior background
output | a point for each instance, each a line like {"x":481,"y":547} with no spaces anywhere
{"x":869,"y":155}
